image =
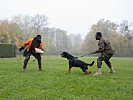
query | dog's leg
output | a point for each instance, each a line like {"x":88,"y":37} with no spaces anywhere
{"x":88,"y":72}
{"x":69,"y":70}
{"x":70,"y":66}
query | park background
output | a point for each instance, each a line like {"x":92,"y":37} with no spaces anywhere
{"x":68,"y":25}
{"x":55,"y":40}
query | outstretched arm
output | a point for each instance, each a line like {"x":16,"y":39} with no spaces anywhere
{"x":21,"y":48}
{"x":26,"y":43}
{"x":101,"y":47}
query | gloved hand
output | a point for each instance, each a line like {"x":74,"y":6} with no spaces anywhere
{"x":33,"y":51}
{"x":43,"y":50}
{"x":21,"y":48}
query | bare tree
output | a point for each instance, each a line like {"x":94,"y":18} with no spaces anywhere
{"x":38,"y":23}
{"x":124,"y":30}
{"x":77,"y":43}
{"x":25,"y":24}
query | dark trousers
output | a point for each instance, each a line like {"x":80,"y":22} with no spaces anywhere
{"x":36,"y":55}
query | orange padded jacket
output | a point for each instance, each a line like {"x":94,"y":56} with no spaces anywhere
{"x":29,"y":42}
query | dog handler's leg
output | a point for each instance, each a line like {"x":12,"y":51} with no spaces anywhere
{"x":109,"y":65}
{"x":106,"y":60}
{"x":38,"y":57}
{"x":26,"y":61}
{"x":99,"y":63}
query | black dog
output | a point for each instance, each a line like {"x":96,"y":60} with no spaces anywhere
{"x":74,"y":62}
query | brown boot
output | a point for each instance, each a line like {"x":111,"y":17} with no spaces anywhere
{"x":23,"y":70}
{"x":41,"y":69}
{"x":112,"y":70}
{"x":98,"y":72}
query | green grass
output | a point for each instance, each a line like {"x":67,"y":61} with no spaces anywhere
{"x":54,"y":83}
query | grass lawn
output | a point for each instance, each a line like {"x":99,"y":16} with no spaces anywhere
{"x":54,"y":83}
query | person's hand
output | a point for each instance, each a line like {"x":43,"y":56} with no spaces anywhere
{"x":21,"y":48}
{"x":43,"y":50}
{"x":33,"y":51}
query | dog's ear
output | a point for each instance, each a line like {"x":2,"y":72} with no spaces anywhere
{"x":65,"y":53}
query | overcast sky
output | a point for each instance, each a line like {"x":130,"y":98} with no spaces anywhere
{"x":73,"y":16}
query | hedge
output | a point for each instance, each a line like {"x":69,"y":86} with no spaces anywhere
{"x":7,"y":50}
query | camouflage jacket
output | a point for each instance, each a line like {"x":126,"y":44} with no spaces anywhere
{"x":104,"y":46}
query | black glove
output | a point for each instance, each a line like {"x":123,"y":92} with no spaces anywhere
{"x":21,"y":48}
{"x":42,"y":49}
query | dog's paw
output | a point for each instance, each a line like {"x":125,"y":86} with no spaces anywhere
{"x":89,"y":73}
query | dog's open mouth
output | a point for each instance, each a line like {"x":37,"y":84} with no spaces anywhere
{"x":62,"y":55}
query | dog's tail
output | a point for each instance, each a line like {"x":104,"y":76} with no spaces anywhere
{"x":91,"y":63}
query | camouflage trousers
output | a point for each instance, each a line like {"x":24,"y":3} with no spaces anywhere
{"x":105,"y":56}
{"x":37,"y":56}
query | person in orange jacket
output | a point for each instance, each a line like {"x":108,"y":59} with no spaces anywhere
{"x":31,"y":45}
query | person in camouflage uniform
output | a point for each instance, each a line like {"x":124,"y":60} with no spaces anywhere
{"x":106,"y":53}
{"x":31,"y":45}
